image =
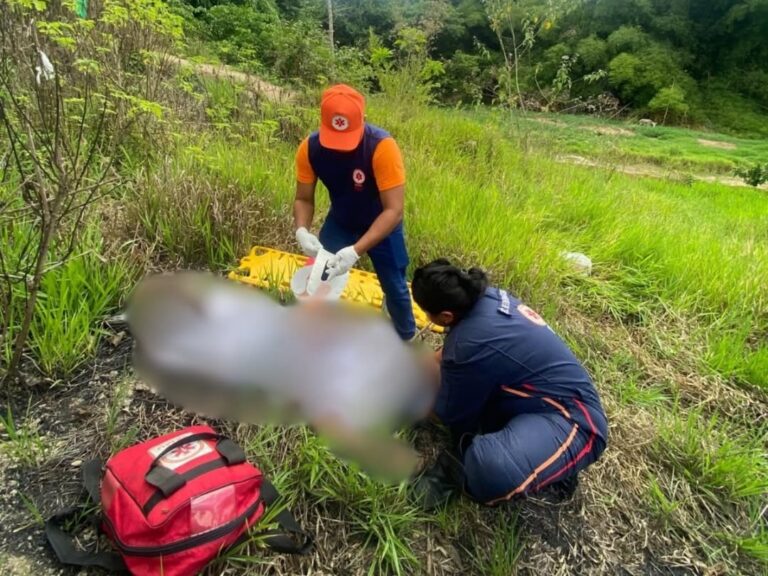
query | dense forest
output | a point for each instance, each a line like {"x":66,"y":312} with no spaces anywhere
{"x":697,"y":62}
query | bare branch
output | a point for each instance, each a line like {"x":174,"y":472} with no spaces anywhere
{"x":27,"y":121}
{"x":94,"y":145}
{"x":81,"y":124}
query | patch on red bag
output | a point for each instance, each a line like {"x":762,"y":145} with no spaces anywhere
{"x":182,"y":454}
{"x":211,"y":510}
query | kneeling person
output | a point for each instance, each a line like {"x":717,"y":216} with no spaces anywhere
{"x":521,"y":406}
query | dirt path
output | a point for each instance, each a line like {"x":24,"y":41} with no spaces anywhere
{"x":652,"y":171}
{"x":270,"y":91}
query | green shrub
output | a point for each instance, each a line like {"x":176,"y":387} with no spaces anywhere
{"x":593,"y":53}
{"x":466,"y":81}
{"x":627,"y":39}
{"x":754,"y":175}
{"x":670,"y":103}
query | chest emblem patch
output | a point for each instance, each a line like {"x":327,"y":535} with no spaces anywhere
{"x":358,"y":177}
{"x":531,"y":315}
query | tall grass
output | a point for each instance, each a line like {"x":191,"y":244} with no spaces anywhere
{"x":379,"y":514}
{"x":698,"y":249}
{"x":74,"y":299}
{"x":474,"y":194}
{"x":207,"y":206}
{"x":21,"y":440}
{"x":664,"y":252}
{"x":723,"y":462}
{"x":75,"y":296}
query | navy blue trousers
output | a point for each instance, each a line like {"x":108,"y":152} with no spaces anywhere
{"x":390,"y":261}
{"x":529,"y":453}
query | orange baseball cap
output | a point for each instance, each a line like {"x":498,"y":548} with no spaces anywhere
{"x":342,"y":118}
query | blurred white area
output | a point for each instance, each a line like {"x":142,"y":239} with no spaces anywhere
{"x":581,"y":263}
{"x":226,"y":350}
{"x":45,"y":69}
{"x":308,"y":280}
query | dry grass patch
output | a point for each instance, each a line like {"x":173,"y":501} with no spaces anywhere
{"x":717,"y":144}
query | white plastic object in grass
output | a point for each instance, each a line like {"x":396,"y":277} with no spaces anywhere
{"x":45,"y":70}
{"x":309,"y":282}
{"x":580,"y":263}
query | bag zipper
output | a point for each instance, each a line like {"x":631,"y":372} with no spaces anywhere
{"x":182,"y":545}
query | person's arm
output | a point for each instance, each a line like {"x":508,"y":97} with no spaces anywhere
{"x":392,"y":201}
{"x":466,"y":386}
{"x":389,"y":171}
{"x":304,"y":205}
{"x":304,"y":202}
{"x":306,"y":180}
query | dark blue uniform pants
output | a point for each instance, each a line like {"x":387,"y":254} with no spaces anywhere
{"x":390,"y":261}
{"x":529,"y":453}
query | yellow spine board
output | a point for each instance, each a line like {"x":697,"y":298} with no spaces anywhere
{"x":273,"y":269}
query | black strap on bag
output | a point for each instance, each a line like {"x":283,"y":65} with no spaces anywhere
{"x":168,"y":481}
{"x":288,"y":539}
{"x":63,"y":544}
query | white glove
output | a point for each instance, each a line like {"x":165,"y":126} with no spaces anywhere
{"x":309,"y":243}
{"x":342,"y":262}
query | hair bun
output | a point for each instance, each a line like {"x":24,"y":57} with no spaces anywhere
{"x":477,"y":279}
{"x":440,"y":286}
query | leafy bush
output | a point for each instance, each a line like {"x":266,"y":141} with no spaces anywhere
{"x":627,"y":39}
{"x":467,"y":79}
{"x":669,"y":102}
{"x":69,"y":131}
{"x":593,"y":53}
{"x":241,"y":33}
{"x":625,"y":74}
{"x":303,"y":56}
{"x":754,"y":175}
{"x":652,"y":73}
{"x":407,"y":74}
{"x":724,"y":108}
{"x":753,"y":84}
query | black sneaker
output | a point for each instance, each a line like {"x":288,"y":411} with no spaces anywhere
{"x":438,"y":483}
{"x":562,"y":490}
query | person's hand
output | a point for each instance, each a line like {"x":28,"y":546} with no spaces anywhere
{"x":342,"y":262}
{"x":309,"y":243}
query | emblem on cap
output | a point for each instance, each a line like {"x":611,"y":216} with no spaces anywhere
{"x":340,"y":123}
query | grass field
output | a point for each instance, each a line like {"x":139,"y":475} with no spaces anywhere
{"x":672,"y":325}
{"x":629,"y":144}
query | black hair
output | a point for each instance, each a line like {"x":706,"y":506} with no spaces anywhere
{"x":442,"y":287}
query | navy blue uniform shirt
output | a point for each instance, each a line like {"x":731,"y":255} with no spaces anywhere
{"x":349,"y":178}
{"x":502,"y":360}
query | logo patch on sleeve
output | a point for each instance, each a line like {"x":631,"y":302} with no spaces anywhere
{"x":531,"y":315}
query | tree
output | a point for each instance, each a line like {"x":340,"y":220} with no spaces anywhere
{"x":593,"y":53}
{"x":625,"y":74}
{"x":669,"y":102}
{"x":329,"y":4}
{"x":628,"y":39}
{"x":72,"y":95}
{"x":517,"y":23}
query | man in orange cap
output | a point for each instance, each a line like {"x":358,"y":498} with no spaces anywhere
{"x":362,"y":168}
